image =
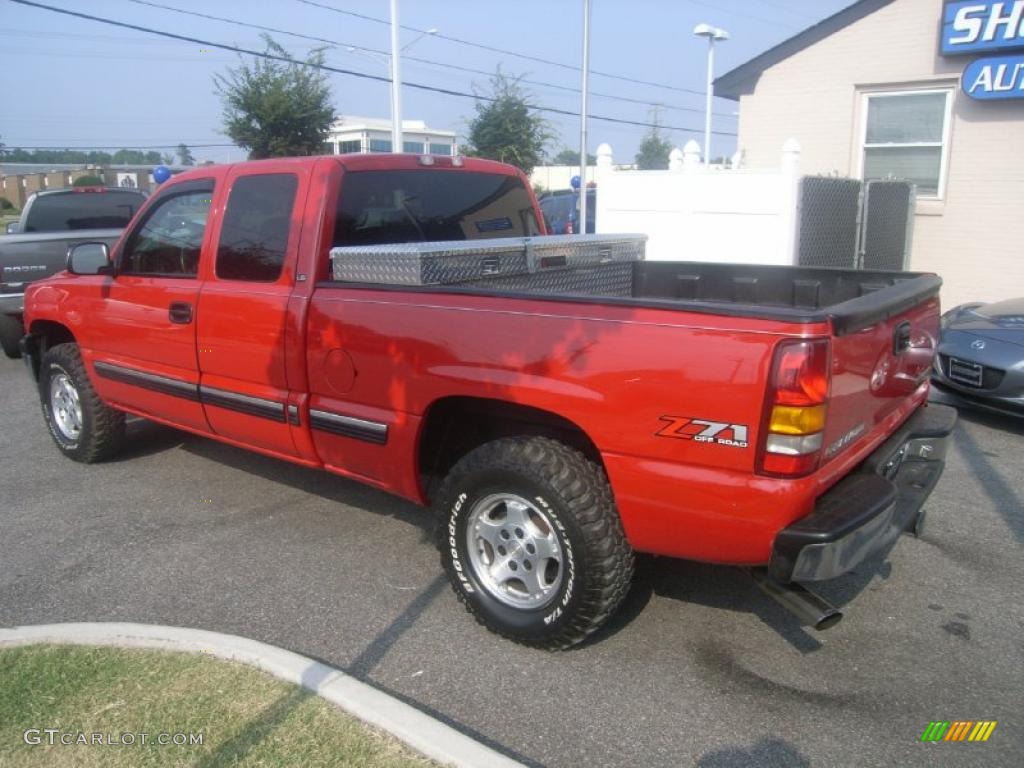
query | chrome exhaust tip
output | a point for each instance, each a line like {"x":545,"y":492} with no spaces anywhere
{"x":812,"y":610}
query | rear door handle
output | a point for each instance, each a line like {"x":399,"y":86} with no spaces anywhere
{"x":180,"y":312}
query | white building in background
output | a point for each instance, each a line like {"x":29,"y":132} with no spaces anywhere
{"x":371,"y":134}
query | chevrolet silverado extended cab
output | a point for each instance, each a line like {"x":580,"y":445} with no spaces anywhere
{"x":559,"y":402}
{"x":36,"y":245}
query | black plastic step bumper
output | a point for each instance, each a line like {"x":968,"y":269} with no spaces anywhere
{"x":866,"y":511}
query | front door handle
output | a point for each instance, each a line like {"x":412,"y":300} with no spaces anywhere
{"x":180,"y":312}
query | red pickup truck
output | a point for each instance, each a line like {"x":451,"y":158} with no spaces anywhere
{"x":560,"y":403}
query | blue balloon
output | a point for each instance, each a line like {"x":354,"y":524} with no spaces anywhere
{"x":574,"y":182}
{"x":161,"y":174}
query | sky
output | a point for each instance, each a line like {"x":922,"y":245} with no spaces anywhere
{"x":72,"y":82}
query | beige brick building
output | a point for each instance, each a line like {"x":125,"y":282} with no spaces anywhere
{"x":867,"y":94}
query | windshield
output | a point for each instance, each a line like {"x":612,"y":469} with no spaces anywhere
{"x":82,"y":210}
{"x":378,"y":207}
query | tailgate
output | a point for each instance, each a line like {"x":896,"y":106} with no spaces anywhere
{"x":882,"y":352}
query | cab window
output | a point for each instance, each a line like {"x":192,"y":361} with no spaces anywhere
{"x":167,"y":241}
{"x":254,"y":235}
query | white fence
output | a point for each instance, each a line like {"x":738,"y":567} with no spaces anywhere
{"x":693,"y":212}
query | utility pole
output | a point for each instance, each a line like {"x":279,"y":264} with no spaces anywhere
{"x":396,"y":82}
{"x":584,"y":108}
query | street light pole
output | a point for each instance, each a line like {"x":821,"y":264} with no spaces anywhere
{"x":584,"y":108}
{"x":396,"y":82}
{"x":712,"y":34}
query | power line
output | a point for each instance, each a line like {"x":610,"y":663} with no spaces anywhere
{"x":406,"y":57}
{"x":502,"y":51}
{"x":363,"y":75}
{"x":11,"y":147}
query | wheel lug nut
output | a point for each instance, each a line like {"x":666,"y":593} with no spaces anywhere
{"x":531,"y":549}
{"x":502,"y":551}
{"x":528,"y":565}
{"x":519,"y":533}
{"x":514,"y":565}
{"x":505,"y":534}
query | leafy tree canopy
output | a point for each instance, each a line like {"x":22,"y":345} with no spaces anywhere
{"x":277,"y":108}
{"x":653,"y":152}
{"x":572,"y":157}
{"x":185,"y":155}
{"x":506,"y":129}
{"x":122,"y":156}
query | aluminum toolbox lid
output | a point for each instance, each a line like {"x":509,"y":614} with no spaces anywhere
{"x":454,"y":261}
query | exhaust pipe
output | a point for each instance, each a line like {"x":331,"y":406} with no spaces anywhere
{"x":812,"y":610}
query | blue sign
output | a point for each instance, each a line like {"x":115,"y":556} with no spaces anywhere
{"x":996,"y":77}
{"x":985,"y":26}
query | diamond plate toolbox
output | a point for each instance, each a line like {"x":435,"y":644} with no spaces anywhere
{"x":454,"y":262}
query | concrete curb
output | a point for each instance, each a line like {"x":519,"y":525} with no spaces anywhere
{"x":423,"y":733}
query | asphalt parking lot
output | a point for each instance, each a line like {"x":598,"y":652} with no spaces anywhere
{"x":699,"y":669}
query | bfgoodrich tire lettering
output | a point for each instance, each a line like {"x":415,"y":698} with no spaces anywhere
{"x":96,"y":431}
{"x":561,"y":492}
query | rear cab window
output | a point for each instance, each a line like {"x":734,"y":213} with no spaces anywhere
{"x":405,"y":206}
{"x":254,"y":234}
{"x":83,"y":209}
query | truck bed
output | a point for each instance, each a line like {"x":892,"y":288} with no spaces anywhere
{"x":850,"y":299}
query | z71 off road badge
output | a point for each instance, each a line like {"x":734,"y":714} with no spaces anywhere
{"x":703,"y":431}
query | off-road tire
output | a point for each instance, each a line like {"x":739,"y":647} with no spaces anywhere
{"x":11,"y":332}
{"x":103,"y":427}
{"x":572,"y":491}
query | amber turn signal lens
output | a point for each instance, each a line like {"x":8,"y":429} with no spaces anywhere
{"x":797,"y":420}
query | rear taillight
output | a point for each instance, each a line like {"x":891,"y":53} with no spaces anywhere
{"x":794,"y":423}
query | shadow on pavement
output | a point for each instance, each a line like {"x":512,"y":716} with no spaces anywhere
{"x":765,"y":753}
{"x":731,"y":589}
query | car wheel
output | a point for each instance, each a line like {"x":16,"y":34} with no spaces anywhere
{"x":532,"y":542}
{"x":11,"y":332}
{"x":84,"y":427}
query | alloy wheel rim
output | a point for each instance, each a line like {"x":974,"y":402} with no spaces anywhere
{"x":66,"y":406}
{"x":514,"y":551}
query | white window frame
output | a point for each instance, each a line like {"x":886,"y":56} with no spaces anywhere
{"x":943,"y":145}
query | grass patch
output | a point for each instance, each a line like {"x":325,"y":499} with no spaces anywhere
{"x":245,"y":717}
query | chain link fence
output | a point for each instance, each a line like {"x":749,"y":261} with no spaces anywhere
{"x":850,"y":224}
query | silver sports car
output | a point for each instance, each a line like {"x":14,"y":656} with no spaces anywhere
{"x":981,"y":355}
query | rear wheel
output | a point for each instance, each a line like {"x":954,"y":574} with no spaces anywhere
{"x":84,"y":427}
{"x":532,"y":542}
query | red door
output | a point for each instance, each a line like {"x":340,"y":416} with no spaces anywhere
{"x":243,"y":307}
{"x":145,"y":357}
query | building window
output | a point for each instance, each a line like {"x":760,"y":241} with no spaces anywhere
{"x":327,"y":148}
{"x":380,"y":145}
{"x":415,"y":147}
{"x":906,"y":137}
{"x":349,"y":147}
{"x":440,"y":149}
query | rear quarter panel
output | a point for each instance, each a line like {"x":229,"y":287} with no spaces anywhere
{"x":623,"y":375}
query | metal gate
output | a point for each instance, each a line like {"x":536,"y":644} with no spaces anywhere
{"x":850,"y":224}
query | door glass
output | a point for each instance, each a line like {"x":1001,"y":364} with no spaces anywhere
{"x":254,"y":237}
{"x":168,"y":241}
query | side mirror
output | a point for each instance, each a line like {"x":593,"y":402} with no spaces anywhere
{"x":12,"y":227}
{"x":89,"y":259}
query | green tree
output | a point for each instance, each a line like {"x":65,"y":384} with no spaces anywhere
{"x":87,"y":181}
{"x":277,"y":108}
{"x":185,"y":155}
{"x":653,"y":152}
{"x":506,"y":128}
{"x":572,"y":157}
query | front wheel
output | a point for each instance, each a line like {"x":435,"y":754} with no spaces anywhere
{"x":532,"y":542}
{"x":84,"y":427}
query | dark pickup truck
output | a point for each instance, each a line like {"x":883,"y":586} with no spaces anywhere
{"x":36,"y":245}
